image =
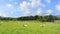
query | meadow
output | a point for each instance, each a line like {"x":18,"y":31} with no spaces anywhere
{"x":33,"y":27}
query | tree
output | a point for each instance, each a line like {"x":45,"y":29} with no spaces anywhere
{"x":50,"y":18}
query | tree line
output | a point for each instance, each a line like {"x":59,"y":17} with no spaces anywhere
{"x":48,"y":18}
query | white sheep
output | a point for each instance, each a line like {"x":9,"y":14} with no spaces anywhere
{"x":42,"y":25}
{"x":25,"y":25}
{"x":1,"y":22}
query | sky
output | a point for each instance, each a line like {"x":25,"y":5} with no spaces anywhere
{"x":18,"y":8}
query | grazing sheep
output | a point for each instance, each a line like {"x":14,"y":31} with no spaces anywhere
{"x":1,"y":22}
{"x":25,"y":25}
{"x":42,"y":25}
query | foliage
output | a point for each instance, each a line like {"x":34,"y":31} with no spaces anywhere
{"x":48,"y":18}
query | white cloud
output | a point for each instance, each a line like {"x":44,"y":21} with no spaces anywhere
{"x":9,"y":5}
{"x":2,"y":13}
{"x":57,"y":7}
{"x":27,"y":7}
{"x":27,"y":13}
{"x":39,"y":11}
{"x":48,"y":1}
{"x":6,"y":14}
{"x":23,"y":6}
{"x":49,"y":12}
{"x":37,"y":3}
{"x":34,"y":3}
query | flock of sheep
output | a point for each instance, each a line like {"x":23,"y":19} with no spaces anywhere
{"x":25,"y":25}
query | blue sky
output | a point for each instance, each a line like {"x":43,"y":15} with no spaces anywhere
{"x":17,"y":8}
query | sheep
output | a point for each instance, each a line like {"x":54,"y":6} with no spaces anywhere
{"x":1,"y":22}
{"x":42,"y":25}
{"x":25,"y":25}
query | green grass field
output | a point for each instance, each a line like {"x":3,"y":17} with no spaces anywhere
{"x":16,"y":27}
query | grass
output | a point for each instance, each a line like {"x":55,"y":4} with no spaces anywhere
{"x":16,"y":27}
